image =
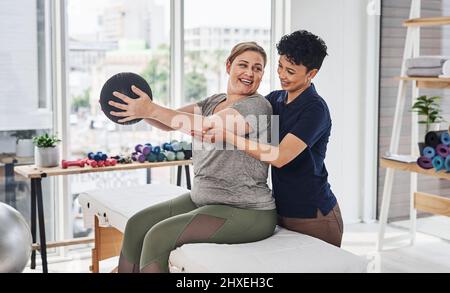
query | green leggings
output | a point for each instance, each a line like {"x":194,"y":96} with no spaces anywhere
{"x":151,"y":234}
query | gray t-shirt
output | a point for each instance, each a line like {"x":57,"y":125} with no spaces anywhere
{"x":229,"y":176}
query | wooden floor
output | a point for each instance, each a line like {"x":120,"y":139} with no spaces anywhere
{"x":430,"y":254}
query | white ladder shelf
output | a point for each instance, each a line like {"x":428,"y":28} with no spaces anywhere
{"x":411,"y":50}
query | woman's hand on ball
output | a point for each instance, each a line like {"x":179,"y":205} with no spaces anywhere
{"x":141,"y":107}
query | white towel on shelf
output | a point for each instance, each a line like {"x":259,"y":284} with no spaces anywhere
{"x":426,"y":72}
{"x":426,"y":61}
{"x":446,"y":69}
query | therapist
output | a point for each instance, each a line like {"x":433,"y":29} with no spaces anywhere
{"x":303,"y":196}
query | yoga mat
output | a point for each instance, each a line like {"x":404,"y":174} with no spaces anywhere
{"x":424,"y":163}
{"x":447,"y":164}
{"x":429,"y":152}
{"x":442,"y":150}
{"x":445,"y":138}
{"x":438,"y":163}
{"x":433,"y":138}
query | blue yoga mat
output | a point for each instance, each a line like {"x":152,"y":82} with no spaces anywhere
{"x":438,"y":163}
{"x":447,"y":164}
{"x":429,"y":152}
{"x":445,"y":138}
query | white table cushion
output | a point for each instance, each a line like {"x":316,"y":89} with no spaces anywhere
{"x":285,"y":252}
{"x":114,"y":207}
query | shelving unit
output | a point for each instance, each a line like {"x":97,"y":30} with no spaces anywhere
{"x":430,"y":21}
{"x":418,"y":200}
{"x":428,"y":82}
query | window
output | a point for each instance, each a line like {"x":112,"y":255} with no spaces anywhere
{"x":25,"y":99}
{"x":107,"y":37}
{"x":205,"y":72}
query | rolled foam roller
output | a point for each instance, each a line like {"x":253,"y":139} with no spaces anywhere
{"x":424,"y":163}
{"x":442,"y":150}
{"x":445,"y":138}
{"x":429,"y":152}
{"x":447,"y":164}
{"x":433,"y":138}
{"x":438,"y":163}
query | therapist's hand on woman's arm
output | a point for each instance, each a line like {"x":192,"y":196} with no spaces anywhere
{"x":278,"y":156}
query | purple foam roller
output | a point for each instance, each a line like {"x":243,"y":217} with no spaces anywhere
{"x":442,"y":150}
{"x":425,"y":163}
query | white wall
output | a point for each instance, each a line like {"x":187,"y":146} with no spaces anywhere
{"x":19,"y":97}
{"x":342,"y":24}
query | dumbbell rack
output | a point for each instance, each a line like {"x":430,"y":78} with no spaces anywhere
{"x":418,"y":200}
{"x":36,"y":174}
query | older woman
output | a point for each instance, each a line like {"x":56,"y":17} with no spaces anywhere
{"x":230,"y":201}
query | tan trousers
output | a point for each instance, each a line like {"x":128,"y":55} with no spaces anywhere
{"x":328,"y":228}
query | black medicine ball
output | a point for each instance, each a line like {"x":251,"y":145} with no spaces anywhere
{"x":122,"y":83}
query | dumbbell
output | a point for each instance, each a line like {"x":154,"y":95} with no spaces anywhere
{"x":92,"y":163}
{"x":160,"y":157}
{"x":187,"y":146}
{"x":110,"y":162}
{"x":122,"y":159}
{"x":139,"y":157}
{"x":180,"y":156}
{"x":99,"y":156}
{"x":102,"y":156}
{"x":79,"y":163}
{"x":184,"y":145}
{"x":145,"y":150}
{"x":152,"y":157}
{"x":187,"y":154}
{"x":167,"y":147}
{"x":176,"y":147}
{"x":169,"y":155}
{"x":89,"y":162}
{"x":156,"y":150}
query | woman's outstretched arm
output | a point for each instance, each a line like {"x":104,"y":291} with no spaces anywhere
{"x":186,"y":122}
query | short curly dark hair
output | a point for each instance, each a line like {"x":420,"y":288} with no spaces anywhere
{"x":303,"y":48}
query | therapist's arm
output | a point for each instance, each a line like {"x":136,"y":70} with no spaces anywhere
{"x":278,"y":156}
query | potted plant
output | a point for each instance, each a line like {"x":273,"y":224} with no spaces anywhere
{"x":429,"y":110}
{"x":24,"y":142}
{"x":46,"y":151}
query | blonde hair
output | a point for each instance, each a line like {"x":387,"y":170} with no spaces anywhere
{"x":244,"y":47}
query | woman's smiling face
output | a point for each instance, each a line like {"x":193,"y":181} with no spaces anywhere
{"x":246,"y":72}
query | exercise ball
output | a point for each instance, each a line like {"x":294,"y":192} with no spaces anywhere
{"x":15,"y":240}
{"x":122,"y":83}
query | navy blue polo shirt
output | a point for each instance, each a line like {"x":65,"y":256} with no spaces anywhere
{"x":301,"y":186}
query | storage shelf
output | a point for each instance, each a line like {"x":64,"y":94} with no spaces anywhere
{"x":413,"y":167}
{"x":430,"y":21}
{"x":429,"y":82}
